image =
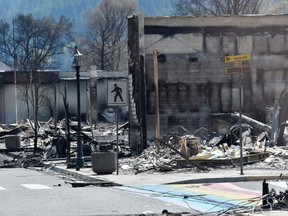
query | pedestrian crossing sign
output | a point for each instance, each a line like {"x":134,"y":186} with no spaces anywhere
{"x":117,"y":93}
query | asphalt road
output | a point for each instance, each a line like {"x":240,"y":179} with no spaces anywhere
{"x":30,"y":192}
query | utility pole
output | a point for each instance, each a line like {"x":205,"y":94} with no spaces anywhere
{"x":15,"y":75}
{"x":157,"y":125}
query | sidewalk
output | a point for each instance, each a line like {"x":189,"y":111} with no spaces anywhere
{"x":228,"y":174}
{"x":174,"y":177}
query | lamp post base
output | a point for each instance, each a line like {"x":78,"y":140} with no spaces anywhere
{"x":79,"y":163}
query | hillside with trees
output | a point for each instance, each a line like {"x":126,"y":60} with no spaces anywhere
{"x":74,"y":9}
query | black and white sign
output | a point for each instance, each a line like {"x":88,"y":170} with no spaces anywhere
{"x":117,"y":93}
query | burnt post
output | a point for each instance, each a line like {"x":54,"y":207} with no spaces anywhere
{"x":157,"y":125}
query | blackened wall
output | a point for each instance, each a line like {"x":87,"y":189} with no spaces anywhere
{"x":193,"y":81}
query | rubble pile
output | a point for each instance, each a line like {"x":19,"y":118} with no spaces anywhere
{"x":53,"y":140}
{"x":153,"y":158}
{"x":220,"y":151}
{"x":277,"y":159}
{"x":177,"y":150}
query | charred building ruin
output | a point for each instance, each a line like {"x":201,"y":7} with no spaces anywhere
{"x":194,"y":81}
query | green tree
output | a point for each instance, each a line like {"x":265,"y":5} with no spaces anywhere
{"x":106,"y":33}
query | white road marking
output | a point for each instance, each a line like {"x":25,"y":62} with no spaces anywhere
{"x":35,"y":186}
{"x":1,"y":188}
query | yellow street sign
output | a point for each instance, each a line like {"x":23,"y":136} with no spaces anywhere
{"x":242,"y":57}
{"x":234,"y":70}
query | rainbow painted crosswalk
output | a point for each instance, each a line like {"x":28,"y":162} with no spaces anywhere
{"x":206,"y":198}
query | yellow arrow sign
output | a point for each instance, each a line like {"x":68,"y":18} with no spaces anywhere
{"x":242,"y":57}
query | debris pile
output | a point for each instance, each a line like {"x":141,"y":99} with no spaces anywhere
{"x":152,"y":158}
{"x":53,"y":141}
{"x":177,"y":150}
{"x":267,"y":203}
{"x":202,"y":149}
{"x":272,"y":200}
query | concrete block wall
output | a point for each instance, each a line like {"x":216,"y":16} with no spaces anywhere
{"x":193,"y":82}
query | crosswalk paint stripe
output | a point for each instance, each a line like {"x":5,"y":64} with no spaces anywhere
{"x":35,"y":186}
{"x":1,"y":188}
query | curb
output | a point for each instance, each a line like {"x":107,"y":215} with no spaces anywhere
{"x":230,"y":179}
{"x":87,"y":179}
{"x":103,"y":182}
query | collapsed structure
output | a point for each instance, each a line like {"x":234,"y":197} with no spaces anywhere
{"x":195,"y":80}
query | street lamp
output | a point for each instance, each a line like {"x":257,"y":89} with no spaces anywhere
{"x":77,"y":64}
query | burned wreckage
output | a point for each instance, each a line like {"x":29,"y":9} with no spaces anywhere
{"x":180,"y":149}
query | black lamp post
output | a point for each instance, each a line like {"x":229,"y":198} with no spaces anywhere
{"x":77,"y":64}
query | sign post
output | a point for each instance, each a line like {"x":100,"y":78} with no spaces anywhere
{"x":240,"y":122}
{"x":238,"y":68}
{"x":117,"y":96}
